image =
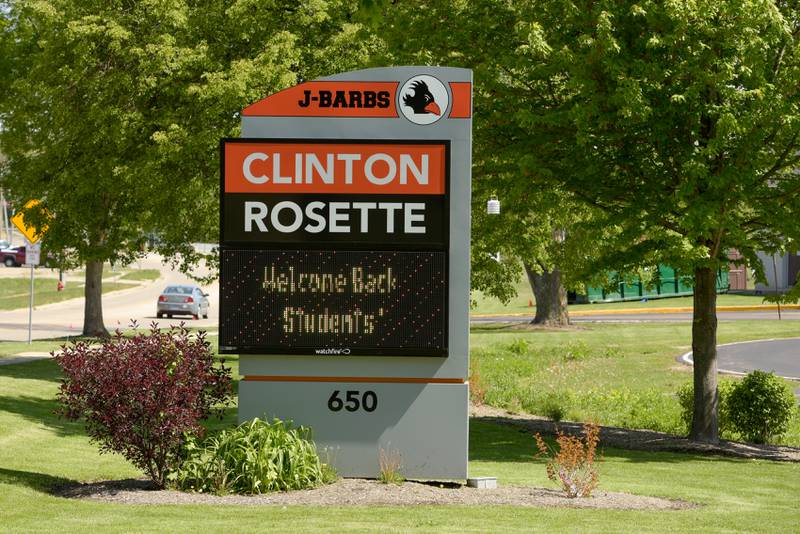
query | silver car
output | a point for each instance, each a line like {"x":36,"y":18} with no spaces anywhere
{"x":183,"y":300}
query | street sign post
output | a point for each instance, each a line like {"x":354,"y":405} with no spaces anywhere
{"x":344,"y":276}
{"x":33,"y":253}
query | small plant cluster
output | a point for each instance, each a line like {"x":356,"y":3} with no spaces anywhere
{"x":555,"y":404}
{"x":572,"y":465}
{"x":477,"y":388}
{"x":141,"y":395}
{"x":758,"y":408}
{"x":389,"y":462}
{"x":575,"y":351}
{"x":254,"y":457}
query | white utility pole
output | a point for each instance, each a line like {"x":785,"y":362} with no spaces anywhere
{"x":4,"y":220}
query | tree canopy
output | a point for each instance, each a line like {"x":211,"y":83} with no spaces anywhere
{"x":112,"y":111}
{"x":684,"y":124}
{"x":676,"y":123}
{"x":541,"y":227}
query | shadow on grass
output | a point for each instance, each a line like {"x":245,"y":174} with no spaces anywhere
{"x":36,"y":481}
{"x":45,"y":369}
{"x":40,"y":411}
{"x":229,"y":420}
{"x":497,"y":439}
{"x":492,"y":442}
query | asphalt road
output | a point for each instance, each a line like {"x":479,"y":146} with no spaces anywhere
{"x":781,"y":356}
{"x":119,"y":307}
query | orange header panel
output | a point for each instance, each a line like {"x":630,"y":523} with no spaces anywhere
{"x":462,"y":106}
{"x":263,"y":167}
{"x":329,"y":99}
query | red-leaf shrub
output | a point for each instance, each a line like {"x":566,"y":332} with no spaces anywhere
{"x":139,"y":395}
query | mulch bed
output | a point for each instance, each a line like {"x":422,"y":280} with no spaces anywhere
{"x":361,"y":492}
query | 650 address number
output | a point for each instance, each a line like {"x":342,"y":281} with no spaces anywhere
{"x":353,"y":401}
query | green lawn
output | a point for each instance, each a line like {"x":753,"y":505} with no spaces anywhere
{"x":15,"y":292}
{"x":519,"y":305}
{"x":618,"y":374}
{"x":141,"y":275}
{"x":38,"y":451}
{"x":108,"y":272}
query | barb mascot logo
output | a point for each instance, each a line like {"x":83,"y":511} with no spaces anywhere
{"x":423,"y":99}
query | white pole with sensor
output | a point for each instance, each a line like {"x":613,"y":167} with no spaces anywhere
{"x":493,"y":208}
{"x":32,"y":257}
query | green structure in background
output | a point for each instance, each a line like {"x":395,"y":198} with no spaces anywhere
{"x":667,"y":282}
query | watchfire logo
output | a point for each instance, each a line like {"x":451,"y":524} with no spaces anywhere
{"x":423,"y":99}
{"x":332,"y":351}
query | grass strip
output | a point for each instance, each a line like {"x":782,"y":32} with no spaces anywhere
{"x":15,"y":292}
{"x":144,"y":275}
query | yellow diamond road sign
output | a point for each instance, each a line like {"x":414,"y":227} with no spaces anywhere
{"x":31,"y":233}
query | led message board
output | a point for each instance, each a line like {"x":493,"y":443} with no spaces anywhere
{"x":334,"y":248}
{"x":334,"y":302}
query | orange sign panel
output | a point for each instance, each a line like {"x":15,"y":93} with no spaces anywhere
{"x":358,"y":168}
{"x":462,"y":101}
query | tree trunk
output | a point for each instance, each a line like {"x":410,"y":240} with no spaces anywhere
{"x":704,"y":353}
{"x":93,"y":301}
{"x":551,"y":297}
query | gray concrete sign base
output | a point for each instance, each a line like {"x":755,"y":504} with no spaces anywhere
{"x":421,"y":428}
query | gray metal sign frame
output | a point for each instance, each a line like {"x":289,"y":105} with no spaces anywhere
{"x":437,"y":387}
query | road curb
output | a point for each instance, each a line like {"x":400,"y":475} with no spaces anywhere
{"x":643,"y":311}
{"x":686,"y":358}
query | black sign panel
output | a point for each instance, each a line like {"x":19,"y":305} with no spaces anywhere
{"x":334,"y":247}
{"x":333,"y":302}
{"x":418,"y":221}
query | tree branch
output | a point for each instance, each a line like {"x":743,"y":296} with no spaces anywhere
{"x":779,"y":164}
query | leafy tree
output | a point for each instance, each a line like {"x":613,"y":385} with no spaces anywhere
{"x":676,"y":122}
{"x":681,"y":123}
{"x":539,"y":228}
{"x":112,"y":112}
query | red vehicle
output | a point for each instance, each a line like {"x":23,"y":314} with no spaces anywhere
{"x":13,"y":257}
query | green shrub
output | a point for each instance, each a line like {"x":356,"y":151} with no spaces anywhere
{"x":613,"y":351}
{"x":254,"y":457}
{"x":519,"y":347}
{"x":576,"y":351}
{"x":761,"y":406}
{"x":554,"y":409}
{"x":686,"y":400}
{"x":554,"y":405}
